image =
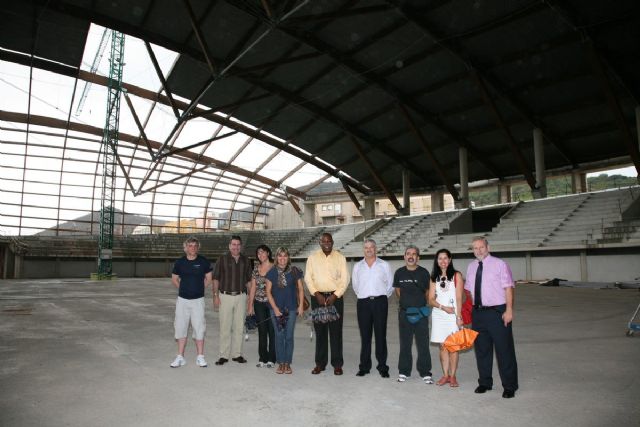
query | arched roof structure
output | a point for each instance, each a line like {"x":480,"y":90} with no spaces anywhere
{"x":356,"y":90}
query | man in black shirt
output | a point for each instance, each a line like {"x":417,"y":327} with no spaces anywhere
{"x":191,"y":274}
{"x":411,"y":283}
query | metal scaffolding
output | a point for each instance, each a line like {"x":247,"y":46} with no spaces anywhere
{"x":109,"y":156}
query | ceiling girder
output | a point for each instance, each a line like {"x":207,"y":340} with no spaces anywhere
{"x":92,"y":130}
{"x":473,"y":65}
{"x":374,"y":173}
{"x":513,"y":145}
{"x":614,"y":105}
{"x":429,"y":152}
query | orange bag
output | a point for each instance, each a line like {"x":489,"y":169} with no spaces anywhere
{"x":461,"y":340}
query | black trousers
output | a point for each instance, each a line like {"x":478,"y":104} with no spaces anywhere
{"x":326,"y":333}
{"x":266,"y":334}
{"x":372,"y":318}
{"x":493,"y":334}
{"x":409,"y":331}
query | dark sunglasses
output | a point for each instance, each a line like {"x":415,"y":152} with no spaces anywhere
{"x":443,"y":281}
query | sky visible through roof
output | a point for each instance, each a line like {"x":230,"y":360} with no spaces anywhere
{"x":48,"y":178}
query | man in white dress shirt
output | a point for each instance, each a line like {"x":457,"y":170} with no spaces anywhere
{"x":372,"y":282}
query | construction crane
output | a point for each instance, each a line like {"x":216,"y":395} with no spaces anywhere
{"x":109,"y":152}
{"x":94,"y":67}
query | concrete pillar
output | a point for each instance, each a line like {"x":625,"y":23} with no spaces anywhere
{"x":528,"y":266}
{"x":369,"y":208}
{"x":437,"y":201}
{"x":578,"y":182}
{"x":584,"y":272}
{"x":638,"y":125}
{"x":504,"y":193}
{"x":464,"y":178}
{"x":309,"y":214}
{"x":5,"y":261}
{"x":406,"y":193}
{"x":17,"y":266}
{"x":538,"y":152}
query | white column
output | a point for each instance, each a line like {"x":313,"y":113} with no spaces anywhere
{"x":578,"y":182}
{"x":504,"y":193}
{"x":309,"y":214}
{"x":538,"y":152}
{"x":464,"y":177}
{"x":437,"y":201}
{"x":369,"y":210}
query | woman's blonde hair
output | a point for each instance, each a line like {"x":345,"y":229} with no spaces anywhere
{"x":283,"y":250}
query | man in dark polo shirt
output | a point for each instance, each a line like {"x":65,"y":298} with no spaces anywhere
{"x":191,"y":274}
{"x":231,"y":277}
{"x":412,"y":289}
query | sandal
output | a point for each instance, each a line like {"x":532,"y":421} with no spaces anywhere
{"x":453,"y":382}
{"x":445,"y":379}
{"x":280,"y":369}
{"x":287,"y":369}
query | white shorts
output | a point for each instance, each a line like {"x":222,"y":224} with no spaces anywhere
{"x":190,"y":310}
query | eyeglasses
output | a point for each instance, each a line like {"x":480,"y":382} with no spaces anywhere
{"x":443,"y":282}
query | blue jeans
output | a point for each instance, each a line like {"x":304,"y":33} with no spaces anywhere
{"x":284,"y":338}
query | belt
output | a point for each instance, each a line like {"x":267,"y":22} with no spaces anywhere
{"x":488,"y":307}
{"x":232,"y":293}
{"x":372,"y":298}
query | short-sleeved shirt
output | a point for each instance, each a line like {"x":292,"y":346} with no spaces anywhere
{"x":496,"y":277}
{"x":192,"y":273}
{"x":286,"y":297}
{"x":233,"y":275}
{"x":413,"y":286}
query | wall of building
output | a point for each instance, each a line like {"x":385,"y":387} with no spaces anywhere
{"x":284,"y":217}
{"x":594,"y":265}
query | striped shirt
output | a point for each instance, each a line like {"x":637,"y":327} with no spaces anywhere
{"x":232,"y":275}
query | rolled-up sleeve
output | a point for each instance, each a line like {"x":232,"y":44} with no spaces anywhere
{"x":506,"y":277}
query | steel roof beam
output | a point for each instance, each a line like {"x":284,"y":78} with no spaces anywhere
{"x":513,"y":145}
{"x":572,"y":18}
{"x":429,"y":152}
{"x":614,"y":105}
{"x":342,"y":59}
{"x":455,"y":51}
{"x":136,"y":31}
{"x":92,"y":130}
{"x":163,"y":81}
{"x":372,"y":170}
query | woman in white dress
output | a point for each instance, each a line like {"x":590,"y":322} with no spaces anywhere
{"x":445,"y":296}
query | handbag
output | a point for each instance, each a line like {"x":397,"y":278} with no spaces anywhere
{"x":414,"y":314}
{"x":324,"y":314}
{"x":467,"y":308}
{"x":461,"y":340}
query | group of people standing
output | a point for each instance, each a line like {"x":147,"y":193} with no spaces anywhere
{"x":273,"y":290}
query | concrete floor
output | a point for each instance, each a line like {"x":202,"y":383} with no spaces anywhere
{"x":81,"y":353}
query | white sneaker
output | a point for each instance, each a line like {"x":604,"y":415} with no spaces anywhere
{"x":270,"y":365}
{"x":260,"y":365}
{"x":402,"y":378}
{"x":179,"y":361}
{"x":200,"y":361}
{"x":427,"y":379}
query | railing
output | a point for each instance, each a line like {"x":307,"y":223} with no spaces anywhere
{"x":15,"y":243}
